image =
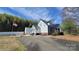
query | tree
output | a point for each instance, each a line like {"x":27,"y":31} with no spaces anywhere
{"x":71,"y":12}
{"x":8,"y":22}
{"x":69,"y":26}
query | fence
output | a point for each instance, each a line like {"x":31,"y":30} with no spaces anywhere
{"x":11,"y":33}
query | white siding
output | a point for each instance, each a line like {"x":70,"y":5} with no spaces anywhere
{"x":33,"y":29}
{"x":28,"y":30}
{"x":43,"y":27}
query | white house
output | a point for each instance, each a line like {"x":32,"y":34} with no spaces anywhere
{"x":44,"y":28}
{"x":41,"y":28}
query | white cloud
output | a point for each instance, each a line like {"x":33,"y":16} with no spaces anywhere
{"x":34,"y":13}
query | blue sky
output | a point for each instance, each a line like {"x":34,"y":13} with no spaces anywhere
{"x":35,"y":13}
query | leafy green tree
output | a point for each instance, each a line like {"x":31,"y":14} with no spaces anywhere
{"x":7,"y":21}
{"x":69,"y":26}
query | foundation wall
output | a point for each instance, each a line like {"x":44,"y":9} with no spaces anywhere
{"x":44,"y":33}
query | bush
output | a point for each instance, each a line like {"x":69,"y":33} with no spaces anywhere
{"x":61,"y":33}
{"x":55,"y":33}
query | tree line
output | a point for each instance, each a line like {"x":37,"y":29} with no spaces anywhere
{"x":13,"y":23}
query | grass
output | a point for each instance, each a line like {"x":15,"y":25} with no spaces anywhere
{"x":67,"y":37}
{"x":11,"y":43}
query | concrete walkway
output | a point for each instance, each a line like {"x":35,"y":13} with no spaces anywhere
{"x":42,"y":43}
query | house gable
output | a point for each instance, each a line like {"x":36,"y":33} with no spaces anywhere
{"x":43,"y":27}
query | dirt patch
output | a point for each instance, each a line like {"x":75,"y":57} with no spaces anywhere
{"x":69,"y":41}
{"x":67,"y":37}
